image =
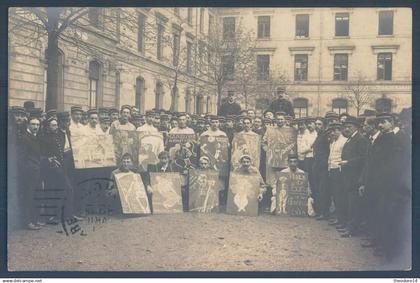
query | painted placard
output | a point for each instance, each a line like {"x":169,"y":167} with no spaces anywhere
{"x":292,"y":193}
{"x":167,"y":197}
{"x":249,"y":144}
{"x":243,"y":194}
{"x":126,"y":142}
{"x":93,"y":151}
{"x":150,"y":145}
{"x":183,"y":149}
{"x":132,"y":193}
{"x":204,"y":187}
{"x":280,"y":143}
{"x":216,"y":150}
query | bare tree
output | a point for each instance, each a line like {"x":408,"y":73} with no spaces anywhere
{"x":225,"y":53}
{"x":358,"y":92}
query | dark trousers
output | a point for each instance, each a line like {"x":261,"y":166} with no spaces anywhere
{"x":320,"y":190}
{"x":338,"y":190}
{"x":355,"y":214}
{"x":30,"y":191}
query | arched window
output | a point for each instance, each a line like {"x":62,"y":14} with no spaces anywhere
{"x":339,"y":105}
{"x":188,"y":101}
{"x":300,"y":106}
{"x":199,"y":104}
{"x":94,"y":99}
{"x":139,"y":99}
{"x":158,"y":95}
{"x":208,"y":104}
{"x":60,"y":81}
{"x":383,"y":105}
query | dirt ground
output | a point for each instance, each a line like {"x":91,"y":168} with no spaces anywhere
{"x":191,"y":242}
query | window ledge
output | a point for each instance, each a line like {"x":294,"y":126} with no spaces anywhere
{"x":341,"y":37}
{"x":263,"y":38}
{"x":385,"y":36}
{"x":302,"y":38}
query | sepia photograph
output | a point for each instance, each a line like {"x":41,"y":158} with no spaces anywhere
{"x":188,"y":139}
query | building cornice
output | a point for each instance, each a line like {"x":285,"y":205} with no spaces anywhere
{"x":393,"y":48}
{"x":301,"y":50}
{"x":346,"y":49}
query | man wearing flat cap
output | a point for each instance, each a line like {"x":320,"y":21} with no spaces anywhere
{"x":124,"y":122}
{"x":282,"y":104}
{"x":214,"y":130}
{"x":182,"y":126}
{"x":229,"y":107}
{"x":148,"y":127}
{"x":76,"y":127}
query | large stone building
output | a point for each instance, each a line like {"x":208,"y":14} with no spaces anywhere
{"x":116,"y":56}
{"x":324,"y":52}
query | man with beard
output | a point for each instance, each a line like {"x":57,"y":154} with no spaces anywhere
{"x":105,"y":123}
{"x":182,"y":126}
{"x":230,"y":107}
{"x":57,"y":184}
{"x":93,"y":128}
{"x":124,"y":122}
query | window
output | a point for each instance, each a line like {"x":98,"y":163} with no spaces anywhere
{"x":158,"y":95}
{"x":340,"y":67}
{"x":201,"y":19}
{"x":139,"y":93}
{"x":189,"y":17}
{"x":208,"y":104}
{"x":117,"y":89}
{"x":383,"y":105}
{"x":176,"y":47}
{"x":302,"y":25}
{"x":141,"y":25}
{"x":94,"y":77}
{"x":189,"y":57}
{"x":339,"y":105}
{"x":301,"y":67}
{"x":95,"y":17}
{"x":199,"y":104}
{"x":228,"y":28}
{"x":211,"y":23}
{"x":385,"y":66}
{"x":386,"y":25}
{"x":176,"y":11}
{"x":300,"y":106}
{"x":263,"y":26}
{"x":159,"y":45}
{"x":263,"y":65}
{"x":188,"y":101}
{"x":201,"y":48}
{"x":342,"y":24}
{"x":228,"y":67}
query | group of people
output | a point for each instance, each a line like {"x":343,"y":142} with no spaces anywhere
{"x":358,"y":167}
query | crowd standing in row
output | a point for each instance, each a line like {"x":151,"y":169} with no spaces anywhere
{"x":359,"y":168}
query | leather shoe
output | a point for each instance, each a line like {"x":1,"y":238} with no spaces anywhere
{"x":340,"y":226}
{"x":346,"y":234}
{"x":333,"y":223}
{"x":341,"y":230}
{"x":32,"y":226}
{"x":367,"y":244}
{"x":321,"y":217}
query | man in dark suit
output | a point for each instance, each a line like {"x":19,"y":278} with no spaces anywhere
{"x":282,"y":104}
{"x":353,"y":159}
{"x":230,"y":107}
{"x":31,"y":168}
{"x":321,"y":148}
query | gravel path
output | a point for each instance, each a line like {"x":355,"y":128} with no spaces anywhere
{"x":192,"y":242}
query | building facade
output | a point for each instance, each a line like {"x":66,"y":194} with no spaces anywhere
{"x":148,"y":57}
{"x":333,"y":57}
{"x":116,"y":56}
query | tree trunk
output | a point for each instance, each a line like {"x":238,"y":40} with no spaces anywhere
{"x":52,"y":55}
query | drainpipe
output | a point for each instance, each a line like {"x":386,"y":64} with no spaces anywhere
{"x":320,"y":63}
